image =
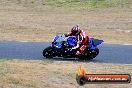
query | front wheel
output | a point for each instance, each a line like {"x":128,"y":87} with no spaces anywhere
{"x":48,"y":52}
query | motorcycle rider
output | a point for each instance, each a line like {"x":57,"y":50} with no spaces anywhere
{"x":82,"y":39}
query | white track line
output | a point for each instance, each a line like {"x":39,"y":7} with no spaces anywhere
{"x":23,"y":41}
{"x":127,"y":44}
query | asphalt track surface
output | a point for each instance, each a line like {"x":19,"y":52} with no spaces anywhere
{"x":109,"y":53}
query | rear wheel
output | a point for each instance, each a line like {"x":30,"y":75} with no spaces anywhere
{"x":93,"y":53}
{"x":90,"y":54}
{"x":48,"y":52}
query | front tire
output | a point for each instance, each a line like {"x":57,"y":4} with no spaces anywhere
{"x":48,"y":52}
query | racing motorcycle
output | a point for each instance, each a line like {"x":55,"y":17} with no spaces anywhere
{"x":62,"y":47}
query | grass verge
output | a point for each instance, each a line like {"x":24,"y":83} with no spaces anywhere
{"x":54,"y":74}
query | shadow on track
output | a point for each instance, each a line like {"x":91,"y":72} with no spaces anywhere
{"x":109,"y":53}
{"x":74,"y":60}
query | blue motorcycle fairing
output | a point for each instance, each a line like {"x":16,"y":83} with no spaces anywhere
{"x":72,"y":41}
{"x":57,"y":45}
{"x":56,"y":37}
{"x":59,"y":38}
{"x":94,"y":43}
{"x":58,"y":41}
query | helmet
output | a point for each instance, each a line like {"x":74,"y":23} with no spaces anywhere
{"x":75,"y":30}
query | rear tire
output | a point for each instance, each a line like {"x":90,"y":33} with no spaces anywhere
{"x":93,"y":53}
{"x":90,"y":54}
{"x":48,"y":52}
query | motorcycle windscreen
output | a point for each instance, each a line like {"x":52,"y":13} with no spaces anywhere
{"x":56,"y":38}
{"x":72,"y":41}
{"x":59,"y":38}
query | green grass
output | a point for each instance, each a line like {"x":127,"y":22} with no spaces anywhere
{"x":78,"y":4}
{"x":70,"y":4}
{"x":3,"y":60}
{"x":45,"y":62}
